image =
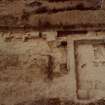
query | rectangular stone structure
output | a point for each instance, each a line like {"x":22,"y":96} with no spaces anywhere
{"x":87,"y":58}
{"x":90,"y":62}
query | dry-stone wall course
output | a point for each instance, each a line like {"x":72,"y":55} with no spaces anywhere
{"x":46,"y":14}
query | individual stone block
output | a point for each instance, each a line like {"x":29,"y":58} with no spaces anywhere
{"x":50,"y":36}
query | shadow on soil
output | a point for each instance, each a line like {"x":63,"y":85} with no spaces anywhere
{"x":57,"y":101}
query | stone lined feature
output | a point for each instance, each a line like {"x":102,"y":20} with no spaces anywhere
{"x":52,"y":52}
{"x":91,"y":63}
{"x":30,"y":64}
{"x":87,"y":53}
{"x":56,"y":69}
